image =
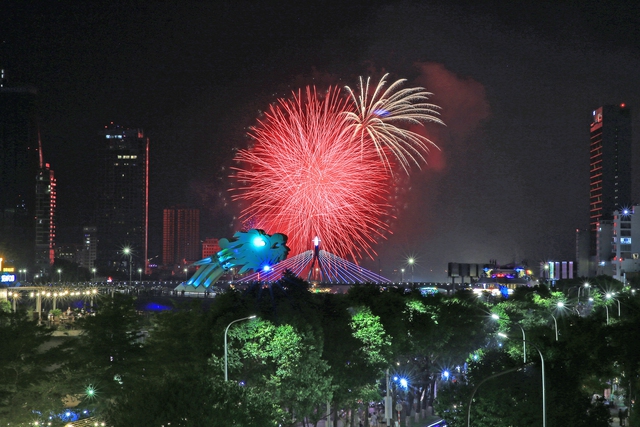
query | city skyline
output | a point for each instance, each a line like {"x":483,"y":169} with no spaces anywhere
{"x":517,"y":86}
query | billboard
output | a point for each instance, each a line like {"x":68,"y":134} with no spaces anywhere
{"x":7,"y":278}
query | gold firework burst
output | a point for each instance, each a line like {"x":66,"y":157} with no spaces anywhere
{"x":380,"y":116}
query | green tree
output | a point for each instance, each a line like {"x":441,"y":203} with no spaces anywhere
{"x":108,"y":358}
{"x":284,"y":364}
{"x":191,"y":400}
{"x":30,"y":370}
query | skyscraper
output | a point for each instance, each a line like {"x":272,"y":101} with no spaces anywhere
{"x":123,"y":199}
{"x":180,"y":236}
{"x":610,"y":165}
{"x":87,"y":256}
{"x":45,"y":189}
{"x":20,"y":157}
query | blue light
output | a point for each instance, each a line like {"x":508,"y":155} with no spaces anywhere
{"x":404,"y":383}
{"x":67,"y":416}
{"x":258,"y":242}
{"x":154,"y":306}
{"x":266,"y":268}
{"x":446,"y":374}
{"x":381,"y":113}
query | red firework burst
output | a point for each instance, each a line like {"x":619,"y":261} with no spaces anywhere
{"x":305,"y":177}
{"x":310,"y":174}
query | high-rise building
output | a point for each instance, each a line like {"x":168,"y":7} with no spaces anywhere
{"x":626,"y":243}
{"x":610,"y":165}
{"x":180,"y":236}
{"x":20,"y":158}
{"x":210,"y":247}
{"x":123,"y":199}
{"x":45,"y":187}
{"x":87,"y":256}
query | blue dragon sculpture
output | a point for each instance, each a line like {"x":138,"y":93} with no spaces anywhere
{"x":251,"y":250}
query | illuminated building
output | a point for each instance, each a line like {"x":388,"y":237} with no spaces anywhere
{"x":88,"y":253}
{"x":610,"y":165}
{"x":67,"y":252}
{"x":45,"y":219}
{"x":556,"y":270}
{"x":123,"y":199}
{"x":180,"y":236}
{"x":625,"y":243}
{"x":20,"y":156}
{"x":210,"y":247}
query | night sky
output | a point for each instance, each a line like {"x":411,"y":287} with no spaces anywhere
{"x":517,"y":82}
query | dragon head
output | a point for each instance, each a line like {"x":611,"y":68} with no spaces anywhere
{"x":252,"y":250}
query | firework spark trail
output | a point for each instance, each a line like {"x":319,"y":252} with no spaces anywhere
{"x":377,"y":116}
{"x":308,"y":178}
{"x":322,"y":165}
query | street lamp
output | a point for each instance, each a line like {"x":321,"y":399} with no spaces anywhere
{"x":610,"y":296}
{"x":59,"y":275}
{"x":544,"y":397}
{"x":93,"y":270}
{"x":411,"y":261}
{"x":402,"y":271}
{"x":226,"y":376}
{"x":560,"y":304}
{"x":524,"y":338}
{"x":140,"y":273}
{"x":127,"y":251}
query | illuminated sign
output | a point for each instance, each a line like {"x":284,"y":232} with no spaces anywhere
{"x":8,"y":269}
{"x":625,"y":240}
{"x":7,"y":278}
{"x":597,"y":119}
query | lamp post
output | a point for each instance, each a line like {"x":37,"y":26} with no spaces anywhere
{"x":59,"y":275}
{"x":411,"y":261}
{"x":140,"y":273}
{"x":402,"y":271}
{"x":560,"y":304}
{"x":473,"y":393}
{"x":544,"y":397}
{"x":610,"y":296}
{"x":127,"y":251}
{"x":607,"y":309}
{"x":555,"y":324}
{"x":524,"y":338}
{"x":186,"y":270}
{"x":93,"y":270}
{"x":226,"y":376}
